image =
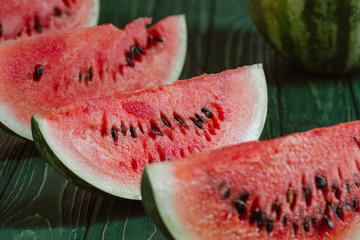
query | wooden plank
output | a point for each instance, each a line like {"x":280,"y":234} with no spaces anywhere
{"x":120,"y":12}
{"x":198,"y":18}
{"x":10,"y":155}
{"x":40,"y":204}
{"x":234,"y":43}
{"x":308,"y":100}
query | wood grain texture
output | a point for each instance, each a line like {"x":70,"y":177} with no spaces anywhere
{"x":37,"y":203}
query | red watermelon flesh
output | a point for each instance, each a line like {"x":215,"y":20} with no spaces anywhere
{"x":19,"y":19}
{"x":53,"y":70}
{"x":301,"y":186}
{"x":105,"y":143}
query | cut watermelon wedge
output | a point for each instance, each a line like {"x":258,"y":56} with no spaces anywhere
{"x":47,"y":71}
{"x":300,"y":186}
{"x":105,"y":143}
{"x":21,"y":19}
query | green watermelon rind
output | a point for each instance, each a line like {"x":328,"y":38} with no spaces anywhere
{"x":156,"y":188}
{"x":51,"y":158}
{"x":150,"y":205}
{"x":54,"y":153}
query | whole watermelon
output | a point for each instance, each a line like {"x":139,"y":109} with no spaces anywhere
{"x":320,"y":35}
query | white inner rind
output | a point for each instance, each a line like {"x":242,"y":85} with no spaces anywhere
{"x":260,"y":108}
{"x":161,"y":174}
{"x":163,"y":188}
{"x":71,"y":162}
{"x":12,"y":123}
{"x":95,"y":13}
{"x":103,"y":182}
{"x":180,"y":59}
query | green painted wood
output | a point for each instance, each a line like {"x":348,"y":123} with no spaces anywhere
{"x":119,"y":12}
{"x":37,"y":203}
{"x":9,"y":158}
{"x":308,"y":101}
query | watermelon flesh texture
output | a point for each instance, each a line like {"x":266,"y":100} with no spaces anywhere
{"x":105,"y":143}
{"x":20,"y":19}
{"x":301,"y":186}
{"x":53,"y":70}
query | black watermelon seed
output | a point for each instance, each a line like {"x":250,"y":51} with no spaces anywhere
{"x":307,"y":195}
{"x":285,"y":220}
{"x":244,"y":196}
{"x":313,"y":221}
{"x":338,"y":211}
{"x":140,"y":49}
{"x":57,"y":12}
{"x":276,"y":208}
{"x":39,"y":70}
{"x":294,"y":227}
{"x":306,"y":225}
{"x":158,"y":39}
{"x":330,"y":205}
{"x":328,"y":222}
{"x":155,"y":129}
{"x":132,"y":132}
{"x":334,"y":187}
{"x":122,"y":129}
{"x":321,"y":182}
{"x":90,"y":72}
{"x":254,"y":216}
{"x":207,"y":112}
{"x":240,"y":206}
{"x":80,"y":77}
{"x":269,"y":225}
{"x":197,"y":124}
{"x":356,"y":181}
{"x":114,"y":133}
{"x":261,"y":220}
{"x":227,"y":193}
{"x":1,"y":30}
{"x":348,"y":186}
{"x":38,"y":26}
{"x":165,"y":122}
{"x":132,"y":52}
{"x":129,"y":61}
{"x":199,"y":118}
{"x":180,"y":121}
{"x":355,"y":205}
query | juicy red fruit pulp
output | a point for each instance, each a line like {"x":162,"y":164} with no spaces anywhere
{"x":25,"y":18}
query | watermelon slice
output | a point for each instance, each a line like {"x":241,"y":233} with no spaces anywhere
{"x":53,"y":70}
{"x":20,"y":19}
{"x":301,"y":186}
{"x":105,"y":143}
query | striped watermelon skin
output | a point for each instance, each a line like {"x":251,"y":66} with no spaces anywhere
{"x":321,"y":36}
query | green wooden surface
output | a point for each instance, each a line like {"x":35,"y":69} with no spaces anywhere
{"x":37,"y":203}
